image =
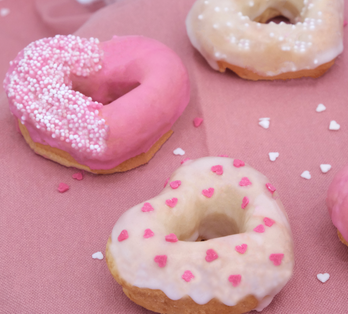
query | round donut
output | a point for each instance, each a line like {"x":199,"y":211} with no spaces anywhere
{"x":233,"y":34}
{"x":215,"y":240}
{"x":102,"y":107}
{"x":337,"y":203}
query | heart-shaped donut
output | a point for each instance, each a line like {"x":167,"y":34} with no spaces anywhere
{"x":233,"y":34}
{"x":199,"y":250}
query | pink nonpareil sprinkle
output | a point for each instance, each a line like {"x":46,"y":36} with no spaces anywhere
{"x":184,"y":160}
{"x":171,"y":238}
{"x":270,"y":187}
{"x":197,"y":122}
{"x":245,"y":202}
{"x":187,"y":276}
{"x":175,"y":184}
{"x":238,"y":163}
{"x":244,"y":182}
{"x":241,"y":248}
{"x":259,"y":229}
{"x":147,"y":207}
{"x":276,"y":259}
{"x":123,"y":236}
{"x":63,"y":187}
{"x":211,"y":255}
{"x":148,"y":233}
{"x":217,"y":169}
{"x":208,"y":193}
{"x":222,"y":155}
{"x":161,"y":260}
{"x":268,"y":222}
{"x":165,"y":183}
{"x":172,"y":202}
{"x":235,"y":280}
{"x":78,"y":176}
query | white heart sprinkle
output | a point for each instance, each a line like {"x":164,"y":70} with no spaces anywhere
{"x":334,"y":126}
{"x":323,"y":277}
{"x":98,"y":255}
{"x":264,"y":119}
{"x":4,"y":11}
{"x":179,"y":151}
{"x":264,"y":124}
{"x":306,"y":175}
{"x":273,"y":156}
{"x":320,"y":108}
{"x":325,"y":168}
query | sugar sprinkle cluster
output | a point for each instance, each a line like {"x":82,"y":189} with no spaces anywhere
{"x":40,"y":88}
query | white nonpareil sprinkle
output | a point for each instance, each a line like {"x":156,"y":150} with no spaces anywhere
{"x":98,"y":255}
{"x":320,"y":108}
{"x":306,"y":175}
{"x":179,"y":151}
{"x":334,"y":126}
{"x":325,"y":168}
{"x":4,"y":11}
{"x":323,"y":277}
{"x":273,"y":156}
{"x":264,"y":122}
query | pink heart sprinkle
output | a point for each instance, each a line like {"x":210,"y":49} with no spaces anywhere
{"x":217,"y":169}
{"x":171,"y":203}
{"x":235,"y":280}
{"x":78,"y":176}
{"x":222,"y":155}
{"x":241,"y":248}
{"x":123,"y":236}
{"x":148,"y":233}
{"x":259,"y":229}
{"x":211,"y":255}
{"x":175,"y":184}
{"x":245,"y":202}
{"x":165,"y":183}
{"x":238,"y":163}
{"x":244,"y":182}
{"x":161,"y":260}
{"x":63,"y":187}
{"x":197,"y":122}
{"x":171,"y":238}
{"x":276,"y":259}
{"x":184,"y":160}
{"x":345,"y":23}
{"x":270,"y":187}
{"x":208,"y":193}
{"x":147,"y":208}
{"x":268,"y":221}
{"x":187,"y":276}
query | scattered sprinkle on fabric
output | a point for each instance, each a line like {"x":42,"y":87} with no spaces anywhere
{"x":320,"y":108}
{"x":306,"y":175}
{"x":323,"y":277}
{"x":197,"y":122}
{"x":273,"y":156}
{"x":78,"y":176}
{"x":325,"y":168}
{"x":63,"y":187}
{"x":334,"y":126}
{"x":4,"y":11}
{"x":98,"y":255}
{"x":264,"y":123}
{"x":179,"y":151}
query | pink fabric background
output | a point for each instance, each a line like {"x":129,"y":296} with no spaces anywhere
{"x":47,"y":238}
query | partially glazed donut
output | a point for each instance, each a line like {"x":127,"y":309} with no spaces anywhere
{"x":232,"y":34}
{"x":337,"y":203}
{"x":244,"y":254}
{"x":102,"y":107}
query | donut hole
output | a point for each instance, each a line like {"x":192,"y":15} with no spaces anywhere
{"x":103,"y":90}
{"x":283,"y":11}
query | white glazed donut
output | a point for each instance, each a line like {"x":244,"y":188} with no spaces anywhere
{"x":231,"y":34}
{"x":247,"y":257}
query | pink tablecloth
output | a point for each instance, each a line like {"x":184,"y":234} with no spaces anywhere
{"x":47,"y":238}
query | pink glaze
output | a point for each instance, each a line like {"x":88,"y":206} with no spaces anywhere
{"x":337,"y":202}
{"x":211,"y":255}
{"x":161,"y":260}
{"x":142,"y":84}
{"x":241,"y":248}
{"x":197,"y":122}
{"x":123,"y":236}
{"x":244,"y":182}
{"x":235,"y":280}
{"x":245,"y":202}
{"x":175,"y":184}
{"x":217,"y":169}
{"x":208,"y":193}
{"x":147,"y":208}
{"x":268,"y":221}
{"x":78,"y":176}
{"x":276,"y":259}
{"x":171,"y":238}
{"x":259,"y":229}
{"x":187,"y":276}
{"x":238,"y":163}
{"x":148,"y":233}
{"x":63,"y":187}
{"x":172,"y":202}
{"x":270,"y":187}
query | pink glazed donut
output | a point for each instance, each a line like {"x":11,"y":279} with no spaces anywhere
{"x":337,"y":203}
{"x":102,"y":107}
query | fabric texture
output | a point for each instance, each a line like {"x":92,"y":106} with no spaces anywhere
{"x":47,"y":238}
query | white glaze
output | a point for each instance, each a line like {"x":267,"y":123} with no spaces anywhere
{"x":211,"y":218}
{"x":225,"y":30}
